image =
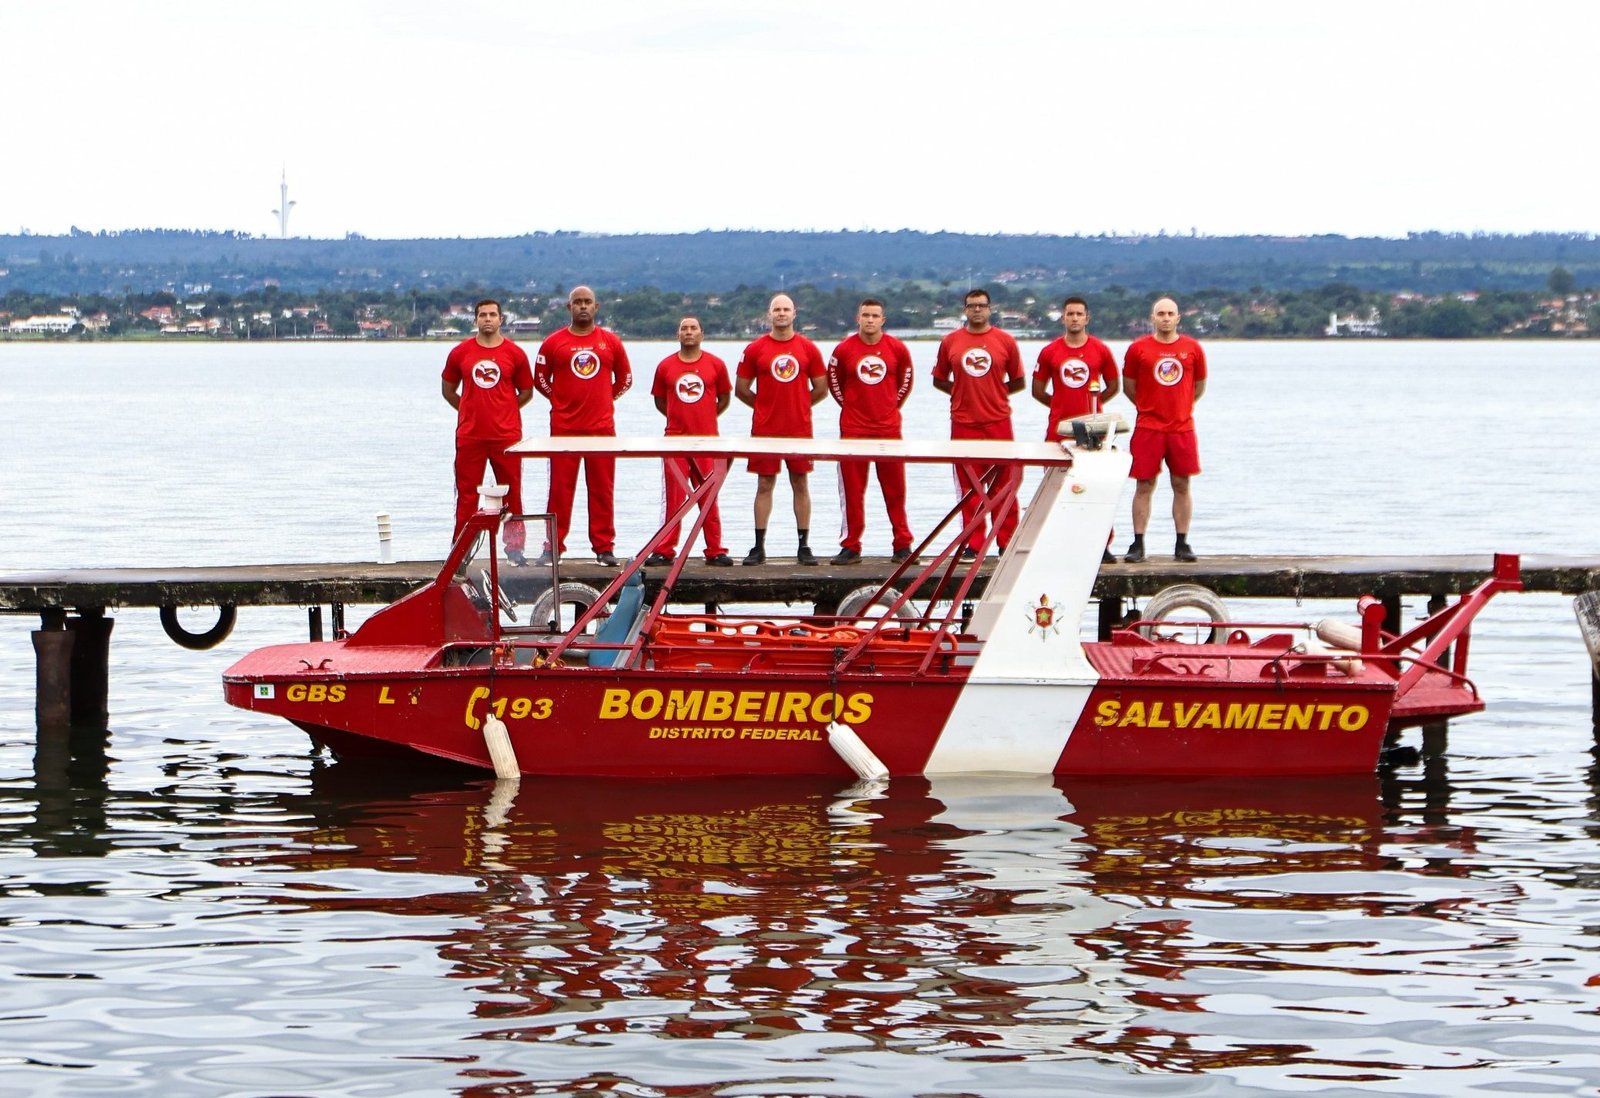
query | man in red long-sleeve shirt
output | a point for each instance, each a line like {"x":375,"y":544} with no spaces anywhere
{"x":582,"y":370}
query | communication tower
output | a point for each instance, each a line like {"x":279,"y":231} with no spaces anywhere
{"x":284,"y":206}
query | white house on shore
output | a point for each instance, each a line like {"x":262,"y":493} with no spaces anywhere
{"x":1352,"y":325}
{"x":44,"y":325}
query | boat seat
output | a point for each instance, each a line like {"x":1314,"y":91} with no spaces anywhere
{"x":622,"y":627}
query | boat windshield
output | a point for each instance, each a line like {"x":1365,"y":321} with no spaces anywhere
{"x":477,"y":557}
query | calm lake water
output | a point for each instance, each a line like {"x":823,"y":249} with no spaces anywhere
{"x":207,"y":907}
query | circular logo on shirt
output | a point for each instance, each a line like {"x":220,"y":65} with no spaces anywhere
{"x":976,"y":362}
{"x":486,"y":374}
{"x":786,"y":367}
{"x":872,"y":370}
{"x":1169,"y":370}
{"x":1074,"y":373}
{"x":690,"y":388}
{"x":585,"y":363}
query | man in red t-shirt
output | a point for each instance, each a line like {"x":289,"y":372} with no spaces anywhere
{"x":781,"y":375}
{"x":870,"y":375}
{"x":1076,"y":374}
{"x":691,"y":389}
{"x":487,"y":380}
{"x":1164,"y":374}
{"x":583,"y":369}
{"x":980,"y":366}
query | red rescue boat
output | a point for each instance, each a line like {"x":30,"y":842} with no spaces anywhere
{"x":934,"y":680}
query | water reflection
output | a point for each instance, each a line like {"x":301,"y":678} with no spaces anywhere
{"x":979,"y":913}
{"x":1331,"y":929}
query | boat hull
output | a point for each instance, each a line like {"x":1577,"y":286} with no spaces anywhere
{"x":580,"y":720}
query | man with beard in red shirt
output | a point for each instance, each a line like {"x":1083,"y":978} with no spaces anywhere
{"x":870,"y":376}
{"x":691,"y":389}
{"x":583,"y":369}
{"x":781,"y":375}
{"x":487,"y":380}
{"x":1164,"y":375}
{"x":980,"y":366}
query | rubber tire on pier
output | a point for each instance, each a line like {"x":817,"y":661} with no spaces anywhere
{"x":1187,"y":596}
{"x":856,"y":601}
{"x":546,"y":608}
{"x":227,"y":614}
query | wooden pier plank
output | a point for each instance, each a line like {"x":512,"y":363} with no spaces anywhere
{"x":369,"y":583}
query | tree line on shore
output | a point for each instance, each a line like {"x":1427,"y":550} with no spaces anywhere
{"x":1429,"y":263}
{"x":1560,"y":309}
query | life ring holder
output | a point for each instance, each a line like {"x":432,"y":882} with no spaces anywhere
{"x":547,"y":607}
{"x":1186,"y":596}
{"x":855,"y":602}
{"x":227,"y":614}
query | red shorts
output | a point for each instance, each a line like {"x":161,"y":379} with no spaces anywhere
{"x":770,"y":466}
{"x":1180,"y":450}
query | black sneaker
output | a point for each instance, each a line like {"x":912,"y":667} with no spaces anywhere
{"x":721,"y":560}
{"x":1134,"y":555}
{"x":968,"y":553}
{"x":900,"y":556}
{"x":656,"y":560}
{"x":1184,"y":553}
{"x":607,"y":559}
{"x":515,"y":557}
{"x":805,"y":555}
{"x":845,"y":556}
{"x":1107,"y":557}
{"x":755,"y":556}
{"x":545,"y":559}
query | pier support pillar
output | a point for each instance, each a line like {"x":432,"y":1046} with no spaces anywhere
{"x":314,"y":623}
{"x":1392,"y":622}
{"x":1436,"y":603}
{"x":1110,"y":615}
{"x":1587,"y":607}
{"x":52,"y":648}
{"x":336,"y":613}
{"x":91,"y":656}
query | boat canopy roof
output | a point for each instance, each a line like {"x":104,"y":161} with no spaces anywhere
{"x":983,"y":451}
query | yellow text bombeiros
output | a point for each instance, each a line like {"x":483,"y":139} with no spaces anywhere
{"x":746,"y":706}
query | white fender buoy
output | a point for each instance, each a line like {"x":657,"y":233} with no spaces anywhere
{"x":1344,"y":662}
{"x":498,"y":739}
{"x":1338,"y":634}
{"x":856,"y":754}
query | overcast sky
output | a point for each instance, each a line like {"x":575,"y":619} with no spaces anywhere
{"x":404,"y":118}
